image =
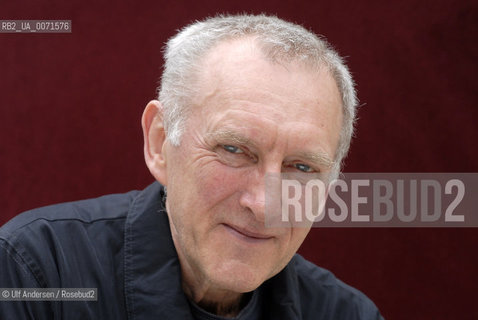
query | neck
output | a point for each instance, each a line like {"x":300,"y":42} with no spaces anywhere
{"x":222,"y":305}
{"x":217,"y":301}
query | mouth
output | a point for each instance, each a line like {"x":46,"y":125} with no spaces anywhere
{"x":247,"y":235}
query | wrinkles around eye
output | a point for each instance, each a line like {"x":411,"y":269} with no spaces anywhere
{"x":232,"y":150}
{"x":235,"y":156}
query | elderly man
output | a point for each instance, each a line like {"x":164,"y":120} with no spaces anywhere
{"x":240,"y":96}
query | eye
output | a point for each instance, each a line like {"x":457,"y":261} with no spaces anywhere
{"x":232,"y":149}
{"x":303,"y":167}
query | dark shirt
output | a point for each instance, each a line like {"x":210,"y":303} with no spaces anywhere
{"x":252,"y":311}
{"x":122,"y":245}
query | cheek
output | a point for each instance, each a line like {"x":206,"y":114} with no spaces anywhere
{"x":217,"y":182}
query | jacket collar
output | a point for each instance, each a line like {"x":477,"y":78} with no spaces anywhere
{"x":151,"y":267}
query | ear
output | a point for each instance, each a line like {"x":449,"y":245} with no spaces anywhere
{"x":155,"y":141}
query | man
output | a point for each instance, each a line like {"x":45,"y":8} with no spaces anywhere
{"x":240,"y":96}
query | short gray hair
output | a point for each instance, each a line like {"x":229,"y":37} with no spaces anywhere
{"x":280,"y":40}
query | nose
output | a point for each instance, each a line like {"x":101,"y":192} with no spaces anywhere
{"x":253,"y":199}
{"x":258,"y":189}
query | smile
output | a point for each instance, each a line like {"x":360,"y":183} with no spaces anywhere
{"x":247,"y":235}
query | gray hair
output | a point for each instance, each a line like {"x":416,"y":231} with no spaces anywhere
{"x":279,"y":40}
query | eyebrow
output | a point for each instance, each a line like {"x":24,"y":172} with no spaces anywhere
{"x":319,"y":158}
{"x":230,"y":136}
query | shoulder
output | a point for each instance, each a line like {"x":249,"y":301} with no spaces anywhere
{"x":66,"y":237}
{"x":64,"y":218}
{"x":108,"y":207}
{"x":323,"y":296}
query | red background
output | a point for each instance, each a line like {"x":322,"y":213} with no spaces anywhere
{"x":70,"y":107}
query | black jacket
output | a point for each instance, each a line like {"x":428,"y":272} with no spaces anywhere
{"x":121,"y":244}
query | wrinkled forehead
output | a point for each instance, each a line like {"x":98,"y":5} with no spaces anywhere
{"x":236,"y":77}
{"x":241,"y":65}
{"x":233,"y":62}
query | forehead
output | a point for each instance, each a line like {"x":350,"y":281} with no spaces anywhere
{"x":236,"y":78}
{"x":240,"y":64}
